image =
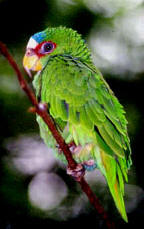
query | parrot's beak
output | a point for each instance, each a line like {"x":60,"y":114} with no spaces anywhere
{"x":31,"y":63}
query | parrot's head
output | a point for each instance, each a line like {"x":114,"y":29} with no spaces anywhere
{"x":51,"y":42}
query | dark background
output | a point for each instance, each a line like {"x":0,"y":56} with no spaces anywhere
{"x":124,"y":73}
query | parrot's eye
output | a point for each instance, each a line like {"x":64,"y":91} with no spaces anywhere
{"x":47,"y":47}
{"x":44,"y":48}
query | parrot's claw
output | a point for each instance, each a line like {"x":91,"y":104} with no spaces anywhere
{"x":76,"y":173}
{"x":72,"y":146}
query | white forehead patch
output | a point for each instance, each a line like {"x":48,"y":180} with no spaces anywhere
{"x":32,"y":43}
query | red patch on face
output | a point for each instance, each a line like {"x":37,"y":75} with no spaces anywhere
{"x":44,"y":48}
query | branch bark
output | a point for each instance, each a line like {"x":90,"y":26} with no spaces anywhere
{"x":41,"y":110}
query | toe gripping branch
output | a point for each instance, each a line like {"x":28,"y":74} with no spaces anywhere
{"x":77,"y":173}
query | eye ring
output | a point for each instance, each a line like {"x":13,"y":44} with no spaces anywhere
{"x":47,"y":47}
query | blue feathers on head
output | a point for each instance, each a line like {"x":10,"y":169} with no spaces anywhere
{"x":39,"y":37}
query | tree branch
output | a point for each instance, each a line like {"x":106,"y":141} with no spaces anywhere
{"x":41,"y":110}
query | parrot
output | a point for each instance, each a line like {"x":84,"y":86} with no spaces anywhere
{"x":83,"y":107}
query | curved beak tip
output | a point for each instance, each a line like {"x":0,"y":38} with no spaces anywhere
{"x":28,"y":71}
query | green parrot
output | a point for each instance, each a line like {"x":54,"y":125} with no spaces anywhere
{"x":82,"y":105}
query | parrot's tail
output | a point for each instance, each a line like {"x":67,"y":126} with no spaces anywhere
{"x":115,"y":172}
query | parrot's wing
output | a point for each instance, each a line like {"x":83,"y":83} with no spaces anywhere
{"x":78,"y":94}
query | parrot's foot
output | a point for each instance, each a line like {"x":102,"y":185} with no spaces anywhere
{"x":76,"y":173}
{"x":72,"y":146}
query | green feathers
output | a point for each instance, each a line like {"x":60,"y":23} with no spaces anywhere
{"x":115,"y":181}
{"x":84,"y":109}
